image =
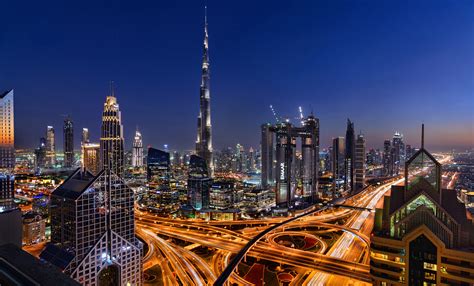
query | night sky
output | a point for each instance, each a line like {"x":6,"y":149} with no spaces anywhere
{"x":387,"y":65}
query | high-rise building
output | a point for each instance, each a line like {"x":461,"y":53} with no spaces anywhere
{"x":91,"y":157}
{"x":68,"y":131}
{"x":268,"y":165}
{"x":93,"y":230}
{"x":398,"y":147}
{"x":408,"y":151}
{"x":338,"y":153}
{"x":7,"y":130}
{"x":199,"y":183}
{"x":85,"y":136}
{"x":40,"y":154}
{"x":50,"y":147}
{"x":251,"y":160}
{"x":388,"y":163}
{"x":111,"y":140}
{"x":204,"y":130}
{"x":284,"y":167}
{"x":137,"y":150}
{"x":158,"y":168}
{"x":349,"y":157}
{"x":10,"y":214}
{"x":359,"y":162}
{"x":222,"y":195}
{"x":422,"y":236}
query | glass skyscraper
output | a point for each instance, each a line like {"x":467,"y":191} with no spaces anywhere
{"x":7,"y":130}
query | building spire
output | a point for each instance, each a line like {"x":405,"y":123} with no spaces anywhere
{"x":422,"y":136}
{"x":112,"y":88}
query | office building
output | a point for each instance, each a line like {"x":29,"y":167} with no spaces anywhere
{"x":111,"y":140}
{"x":18,"y":267}
{"x":137,"y":150}
{"x":50,"y":147}
{"x":204,"y":130}
{"x":223,"y":195}
{"x":7,"y":130}
{"x":359,"y":163}
{"x":337,"y":162}
{"x":10,"y":214}
{"x":68,"y":131}
{"x":158,"y":168}
{"x":199,"y":183}
{"x":422,"y":236}
{"x":34,"y":228}
{"x":91,"y":157}
{"x":349,"y":158}
{"x":93,"y":230}
{"x":281,"y":165}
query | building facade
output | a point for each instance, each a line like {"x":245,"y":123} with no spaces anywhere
{"x":282,"y":166}
{"x":10,"y":214}
{"x":359,"y":163}
{"x":137,"y":150}
{"x":111,"y":140}
{"x":199,"y":183}
{"x":93,"y":230}
{"x":204,"y":130}
{"x":50,"y":147}
{"x":91,"y":157}
{"x":349,"y":158}
{"x":7,"y":130}
{"x":337,"y":162}
{"x":422,"y":236}
{"x":68,"y":132}
{"x":158,"y":168}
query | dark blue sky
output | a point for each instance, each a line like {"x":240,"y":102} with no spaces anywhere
{"x":387,"y":65}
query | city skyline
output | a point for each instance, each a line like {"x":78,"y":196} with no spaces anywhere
{"x":411,"y":64}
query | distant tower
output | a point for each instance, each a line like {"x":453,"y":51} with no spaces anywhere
{"x":349,"y":157}
{"x":50,"y":146}
{"x":359,"y":162}
{"x":137,"y":151}
{"x":398,"y":152}
{"x":204,"y":137}
{"x":387,"y":158}
{"x":111,"y":140}
{"x":7,"y":131}
{"x":68,"y":143}
{"x":85,"y":136}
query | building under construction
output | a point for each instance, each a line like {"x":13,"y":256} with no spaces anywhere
{"x":294,"y":180}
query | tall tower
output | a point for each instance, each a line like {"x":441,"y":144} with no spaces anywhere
{"x":68,"y":131}
{"x":137,"y":151}
{"x":111,"y":140}
{"x":204,"y":137}
{"x":7,"y":130}
{"x":359,"y":162}
{"x":349,"y":157}
{"x":50,"y":146}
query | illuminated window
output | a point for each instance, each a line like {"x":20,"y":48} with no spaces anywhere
{"x":421,"y":200}
{"x":423,"y":169}
{"x":429,"y":266}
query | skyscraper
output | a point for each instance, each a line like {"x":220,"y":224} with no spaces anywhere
{"x":398,"y":152}
{"x":40,"y":154}
{"x":349,"y":157}
{"x":387,"y":158}
{"x":50,"y":147}
{"x":359,"y":163}
{"x":268,"y":175}
{"x":111,"y":140}
{"x":158,"y":167}
{"x":7,"y":130}
{"x":68,"y":131}
{"x":199,"y":183}
{"x":338,"y":153}
{"x":10,"y":214}
{"x":85,"y":135}
{"x":137,"y":151}
{"x":204,"y":135}
{"x":93,"y":230}
{"x":423,"y":235}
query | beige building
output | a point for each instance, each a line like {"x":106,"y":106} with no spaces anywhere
{"x":91,"y":157}
{"x":34,"y":228}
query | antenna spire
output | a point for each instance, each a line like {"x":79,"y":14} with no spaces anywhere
{"x":423,"y":136}
{"x":205,"y":15}
{"x":112,"y":88}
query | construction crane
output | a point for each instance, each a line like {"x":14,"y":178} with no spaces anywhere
{"x":274,"y":114}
